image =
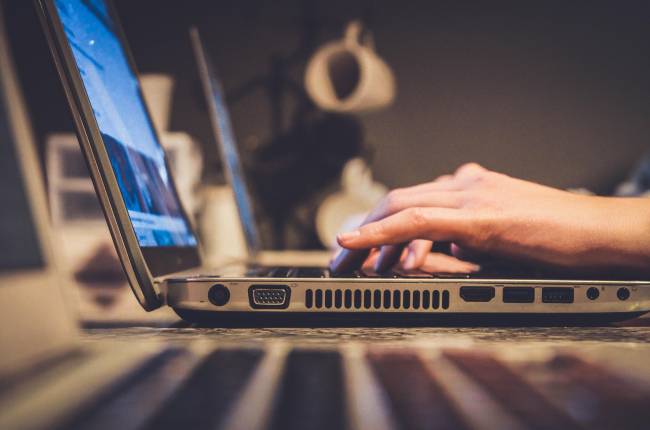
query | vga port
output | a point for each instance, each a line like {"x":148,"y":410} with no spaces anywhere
{"x":269,"y":296}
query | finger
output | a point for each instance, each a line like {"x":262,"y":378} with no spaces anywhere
{"x":443,"y":263}
{"x":369,"y":264}
{"x":407,"y":225}
{"x":398,"y":200}
{"x":389,"y":256}
{"x":417,"y":253}
{"x":349,"y":260}
{"x":444,"y":183}
{"x":454,"y":182}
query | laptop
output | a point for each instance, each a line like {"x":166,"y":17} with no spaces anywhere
{"x":47,"y":376}
{"x":159,"y":248}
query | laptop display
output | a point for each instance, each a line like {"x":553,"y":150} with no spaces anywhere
{"x":226,"y":142}
{"x":136,"y":155}
{"x":20,"y":248}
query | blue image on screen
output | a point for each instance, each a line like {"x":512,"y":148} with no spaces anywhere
{"x":136,"y":155}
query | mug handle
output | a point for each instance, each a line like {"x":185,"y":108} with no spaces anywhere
{"x":357,"y":35}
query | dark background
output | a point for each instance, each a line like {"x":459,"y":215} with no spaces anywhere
{"x":553,"y":91}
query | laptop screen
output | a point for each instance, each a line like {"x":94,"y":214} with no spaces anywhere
{"x":20,"y":247}
{"x":227,"y":143}
{"x":136,"y":155}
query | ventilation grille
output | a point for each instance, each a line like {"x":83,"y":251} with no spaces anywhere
{"x":376,"y":299}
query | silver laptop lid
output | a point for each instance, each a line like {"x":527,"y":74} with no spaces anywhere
{"x":225,"y":138}
{"x":35,"y":322}
{"x":150,"y":229}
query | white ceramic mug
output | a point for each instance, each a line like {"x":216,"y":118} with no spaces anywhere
{"x":348,"y":76}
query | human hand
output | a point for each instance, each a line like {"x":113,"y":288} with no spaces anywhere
{"x":484,"y":212}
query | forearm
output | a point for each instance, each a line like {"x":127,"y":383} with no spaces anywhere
{"x":623,"y":239}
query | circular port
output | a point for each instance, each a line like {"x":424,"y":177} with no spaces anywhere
{"x":592,"y":293}
{"x":218,"y":295}
{"x":623,"y":293}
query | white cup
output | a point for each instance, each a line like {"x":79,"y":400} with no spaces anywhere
{"x":348,"y":76}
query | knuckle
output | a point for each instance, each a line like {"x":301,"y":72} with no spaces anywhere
{"x":469,"y":168}
{"x":418,"y":217}
{"x":393,"y":200}
{"x":374,"y":230}
{"x":467,"y":198}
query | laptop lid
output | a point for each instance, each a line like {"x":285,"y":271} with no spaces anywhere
{"x":225,"y":138}
{"x":132,"y":178}
{"x":34,"y":321}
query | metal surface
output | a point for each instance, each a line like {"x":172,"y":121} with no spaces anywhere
{"x":193,"y":294}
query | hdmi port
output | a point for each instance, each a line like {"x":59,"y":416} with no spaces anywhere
{"x":477,"y":294}
{"x":269,"y":296}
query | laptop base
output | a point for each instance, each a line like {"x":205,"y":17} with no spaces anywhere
{"x":381,"y":319}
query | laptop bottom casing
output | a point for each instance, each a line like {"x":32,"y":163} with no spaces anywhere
{"x":230,"y":298}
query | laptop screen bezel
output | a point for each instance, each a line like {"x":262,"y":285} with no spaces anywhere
{"x":141,"y":264}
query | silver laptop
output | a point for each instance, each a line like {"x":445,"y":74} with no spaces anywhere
{"x":159,"y":248}
{"x":47,"y":376}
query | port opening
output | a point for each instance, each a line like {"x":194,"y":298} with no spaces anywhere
{"x":269,"y":296}
{"x":476,"y":294}
{"x":557,"y":295}
{"x":518,"y":294}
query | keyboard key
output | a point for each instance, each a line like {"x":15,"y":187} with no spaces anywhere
{"x":209,"y":392}
{"x":514,"y":393}
{"x":418,"y":401}
{"x":309,"y":272}
{"x":311,"y":392}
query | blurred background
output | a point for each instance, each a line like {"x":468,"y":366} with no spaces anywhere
{"x":556,"y":92}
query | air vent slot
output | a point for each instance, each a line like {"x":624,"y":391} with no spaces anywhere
{"x":387,"y":301}
{"x":338,"y":299}
{"x":416,"y":299}
{"x":445,"y":299}
{"x":376,"y":299}
{"x":426,"y":299}
{"x":435,"y":299}
{"x":406,"y":299}
{"x":357,"y":299}
{"x":367,"y":298}
{"x":328,"y":299}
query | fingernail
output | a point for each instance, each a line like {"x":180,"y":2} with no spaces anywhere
{"x":474,"y":267}
{"x":409,"y":263}
{"x":349,"y":235}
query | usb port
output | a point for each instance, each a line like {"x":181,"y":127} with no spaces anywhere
{"x":557,"y":295}
{"x":518,"y":294}
{"x":477,"y":294}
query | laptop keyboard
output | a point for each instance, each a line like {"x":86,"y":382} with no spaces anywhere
{"x":372,"y":386}
{"x":490,"y":271}
{"x":321,"y":272}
